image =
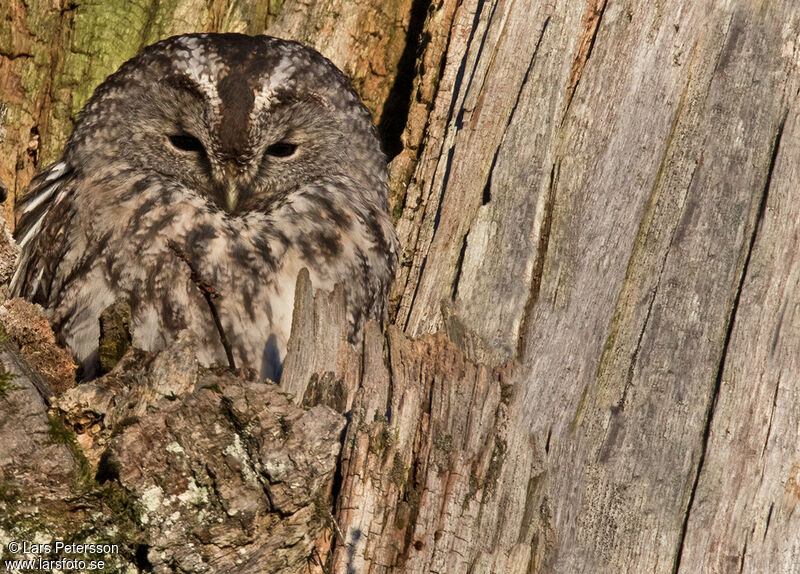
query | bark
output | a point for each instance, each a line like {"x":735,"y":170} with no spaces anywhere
{"x":592,"y":360}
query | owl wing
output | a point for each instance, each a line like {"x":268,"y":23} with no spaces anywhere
{"x":374,"y":266}
{"x":37,"y":234}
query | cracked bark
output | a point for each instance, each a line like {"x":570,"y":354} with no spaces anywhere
{"x":592,"y":363}
{"x":590,"y":22}
{"x":731,"y":321}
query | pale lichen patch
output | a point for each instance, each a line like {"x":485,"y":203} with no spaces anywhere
{"x":237,"y":451}
{"x":175,"y":448}
{"x":194,"y":495}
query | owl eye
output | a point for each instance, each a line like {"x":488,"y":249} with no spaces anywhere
{"x":185,"y":142}
{"x":281,"y":149}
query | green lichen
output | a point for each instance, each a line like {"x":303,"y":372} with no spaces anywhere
{"x":413,"y":497}
{"x":104,"y":35}
{"x":381,"y":440}
{"x":506,"y":392}
{"x":398,"y":472}
{"x":322,"y":512}
{"x":50,"y":523}
{"x":7,"y":385}
{"x":126,"y":508}
{"x":495,"y":466}
{"x":579,"y":411}
{"x":442,"y":449}
{"x":328,"y":390}
{"x":61,"y":434}
{"x":115,"y":334}
{"x":474,"y":487}
{"x":8,"y":498}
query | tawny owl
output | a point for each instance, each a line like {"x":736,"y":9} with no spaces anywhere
{"x":199,"y":180}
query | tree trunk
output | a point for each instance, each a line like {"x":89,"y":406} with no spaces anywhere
{"x":593,"y":359}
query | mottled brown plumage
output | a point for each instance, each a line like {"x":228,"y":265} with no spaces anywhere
{"x":199,"y":180}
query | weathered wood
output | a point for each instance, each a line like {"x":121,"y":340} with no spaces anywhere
{"x":365,"y":39}
{"x":656,"y":380}
{"x":183,"y":469}
{"x":636,"y":240}
{"x":322,"y":366}
{"x":742,"y":518}
{"x":419,"y":468}
{"x":25,"y":328}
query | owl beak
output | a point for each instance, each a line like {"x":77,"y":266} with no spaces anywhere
{"x":231,"y":185}
{"x":231,"y":193}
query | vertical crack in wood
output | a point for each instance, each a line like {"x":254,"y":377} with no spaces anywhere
{"x":415,"y":486}
{"x":44,"y":100}
{"x":414,"y":130}
{"x":539,"y":258}
{"x":486,"y":196}
{"x":742,"y":557}
{"x":651,"y":302}
{"x":462,"y":69}
{"x":339,"y":470}
{"x":547,"y":441}
{"x":591,"y":25}
{"x":440,"y":74}
{"x":487,"y":193}
{"x":769,"y":519}
{"x":771,"y":417}
{"x":598,"y":17}
{"x":610,"y":437}
{"x":458,"y":122}
{"x":336,"y":493}
{"x":459,"y":267}
{"x":640,"y":241}
{"x":398,"y":102}
{"x":731,"y":321}
{"x":459,"y":80}
{"x":387,"y":361}
{"x":777,"y":331}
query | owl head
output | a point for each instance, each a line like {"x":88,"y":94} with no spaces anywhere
{"x":238,"y":120}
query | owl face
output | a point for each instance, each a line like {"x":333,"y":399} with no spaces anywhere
{"x":240,"y":121}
